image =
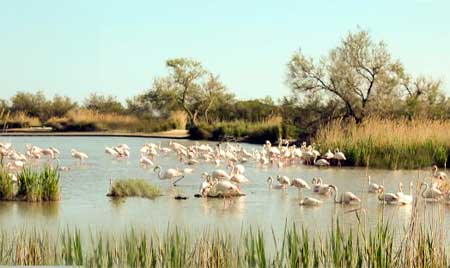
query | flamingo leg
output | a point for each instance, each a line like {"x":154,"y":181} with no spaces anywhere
{"x":179,"y":179}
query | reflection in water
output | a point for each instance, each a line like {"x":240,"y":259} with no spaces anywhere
{"x":41,"y":212}
{"x":224,"y":207}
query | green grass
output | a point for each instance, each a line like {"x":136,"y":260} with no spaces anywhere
{"x":251,"y":248}
{"x":31,"y":185}
{"x":134,"y":187}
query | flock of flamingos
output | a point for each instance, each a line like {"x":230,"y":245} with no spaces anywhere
{"x":220,"y":183}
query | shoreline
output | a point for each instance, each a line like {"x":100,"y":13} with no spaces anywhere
{"x":172,"y":134}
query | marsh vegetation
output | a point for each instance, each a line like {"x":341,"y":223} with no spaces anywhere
{"x":134,"y":188}
{"x":30,"y":185}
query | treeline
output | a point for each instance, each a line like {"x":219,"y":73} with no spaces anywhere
{"x":357,"y":79}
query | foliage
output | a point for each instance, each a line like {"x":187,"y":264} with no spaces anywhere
{"x":134,"y":187}
{"x":360,"y":75}
{"x":103,"y":104}
{"x":189,"y":86}
{"x":36,"y":105}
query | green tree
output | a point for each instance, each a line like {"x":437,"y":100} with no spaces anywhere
{"x":33,"y":105}
{"x":59,"y":106}
{"x":103,"y":104}
{"x":188,"y":86}
{"x":359,"y":74}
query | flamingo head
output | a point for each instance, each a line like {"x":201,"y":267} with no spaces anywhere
{"x":270,"y":180}
{"x":157,"y":168}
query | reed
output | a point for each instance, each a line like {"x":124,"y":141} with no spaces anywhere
{"x":389,"y":143}
{"x":134,"y":187}
{"x":421,"y":244}
{"x":18,"y":120}
{"x":31,"y":185}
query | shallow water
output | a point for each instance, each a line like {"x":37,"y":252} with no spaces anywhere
{"x":84,"y":203}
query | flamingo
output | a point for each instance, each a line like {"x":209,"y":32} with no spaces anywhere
{"x":79,"y":155}
{"x":388,"y":198}
{"x":284,"y":181}
{"x":220,"y":174}
{"x":300,"y":184}
{"x":432,"y":193}
{"x":405,"y":199}
{"x":339,"y":156}
{"x":321,"y":162}
{"x":111,"y":151}
{"x":320,"y":187}
{"x":270,"y":183}
{"x":345,"y":197}
{"x":145,"y":161}
{"x":169,"y":174}
{"x":438,"y":174}
{"x":328,"y":155}
{"x":224,"y":188}
{"x":375,"y":188}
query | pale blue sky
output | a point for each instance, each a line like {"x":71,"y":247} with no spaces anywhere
{"x":74,"y":47}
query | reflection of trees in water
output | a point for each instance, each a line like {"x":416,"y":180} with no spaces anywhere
{"x":29,"y":210}
{"x":234,"y":206}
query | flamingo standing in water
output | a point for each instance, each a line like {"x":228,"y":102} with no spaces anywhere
{"x":431,"y":193}
{"x":300,"y":184}
{"x":284,"y":181}
{"x":375,"y":188}
{"x":339,"y":156}
{"x":388,"y":198}
{"x":404,"y":199}
{"x":79,"y":155}
{"x":345,"y":197}
{"x":169,"y":174}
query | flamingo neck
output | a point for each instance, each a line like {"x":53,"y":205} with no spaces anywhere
{"x":426,"y":188}
{"x":336,"y":195}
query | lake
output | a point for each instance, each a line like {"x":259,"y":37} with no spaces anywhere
{"x":85,"y":205}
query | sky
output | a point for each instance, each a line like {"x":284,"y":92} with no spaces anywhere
{"x":76,"y":47}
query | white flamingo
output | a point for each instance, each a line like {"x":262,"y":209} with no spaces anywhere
{"x":169,"y":174}
{"x":345,"y":197}
{"x":388,"y":198}
{"x":405,"y":199}
{"x":284,"y":181}
{"x":431,"y":193}
{"x":271,"y":186}
{"x":438,"y":174}
{"x":339,"y":156}
{"x":375,"y":188}
{"x":299,"y":184}
{"x":145,"y":161}
{"x":79,"y":155}
{"x":320,"y":187}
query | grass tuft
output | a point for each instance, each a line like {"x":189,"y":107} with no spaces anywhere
{"x":134,"y":187}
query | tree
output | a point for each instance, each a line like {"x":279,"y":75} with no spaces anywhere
{"x":359,"y":74}
{"x":103,"y":104}
{"x":59,"y":106}
{"x":189,"y":86}
{"x":424,"y":97}
{"x":33,"y":105}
